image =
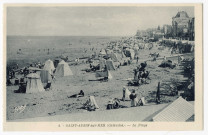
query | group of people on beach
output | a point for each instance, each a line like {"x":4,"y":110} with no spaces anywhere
{"x":135,"y":99}
{"x":140,"y":74}
{"x":140,"y":77}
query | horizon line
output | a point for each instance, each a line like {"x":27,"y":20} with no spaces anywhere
{"x":73,"y":35}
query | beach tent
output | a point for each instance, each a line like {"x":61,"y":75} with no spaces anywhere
{"x":34,"y":83}
{"x":45,"y":76}
{"x":49,"y":66}
{"x":130,"y":53}
{"x":126,"y":93}
{"x":108,"y":51}
{"x":104,"y":74}
{"x":116,"y":49}
{"x":102,"y":63}
{"x":114,"y":57}
{"x":178,"y":111}
{"x":119,"y":56}
{"x":123,"y":55}
{"x":102,"y":52}
{"x":63,"y":69}
{"x":126,"y":59}
{"x":34,"y":69}
{"x":110,"y":65}
{"x":91,"y":104}
{"x":136,"y":51}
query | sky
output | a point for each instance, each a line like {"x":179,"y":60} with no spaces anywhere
{"x":88,"y":21}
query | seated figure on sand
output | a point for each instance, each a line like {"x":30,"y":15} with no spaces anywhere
{"x":167,"y":63}
{"x":113,"y":104}
{"x":80,"y":94}
{"x":104,"y":69}
{"x":125,"y":63}
{"x":9,"y":82}
{"x":48,"y":86}
{"x":91,"y":104}
{"x":94,"y":68}
{"x":22,"y":88}
{"x":136,"y":100}
{"x":143,"y":66}
{"x":141,"y":102}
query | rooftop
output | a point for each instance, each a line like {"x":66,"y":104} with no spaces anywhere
{"x":182,"y":14}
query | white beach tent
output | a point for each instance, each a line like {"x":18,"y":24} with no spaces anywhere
{"x":103,"y":74}
{"x":123,"y":55}
{"x":108,"y":51}
{"x":126,"y":93}
{"x":119,"y":56}
{"x":63,"y":69}
{"x":110,"y":65}
{"x":114,"y":57}
{"x":45,"y":76}
{"x":34,"y":83}
{"x":102,"y":52}
{"x":49,"y":66}
{"x":90,"y":103}
{"x":102,"y":63}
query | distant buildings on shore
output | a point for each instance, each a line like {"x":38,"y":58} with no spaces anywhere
{"x":182,"y":28}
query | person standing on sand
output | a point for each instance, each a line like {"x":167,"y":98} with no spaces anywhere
{"x":133,"y":97}
{"x":137,"y":59}
{"x":135,"y":74}
{"x":158,"y":94}
{"x":124,"y":93}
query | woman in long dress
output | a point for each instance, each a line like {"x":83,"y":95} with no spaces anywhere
{"x":133,"y":97}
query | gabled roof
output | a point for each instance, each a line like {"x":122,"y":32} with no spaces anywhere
{"x":179,"y":110}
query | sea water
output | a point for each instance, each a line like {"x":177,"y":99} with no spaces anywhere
{"x":27,"y":49}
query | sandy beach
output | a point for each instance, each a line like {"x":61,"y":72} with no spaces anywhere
{"x":57,"y":101}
